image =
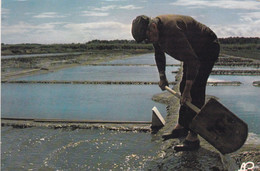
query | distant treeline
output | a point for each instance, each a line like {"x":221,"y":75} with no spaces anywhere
{"x":233,"y":45}
{"x":13,"y":49}
{"x":240,"y":40}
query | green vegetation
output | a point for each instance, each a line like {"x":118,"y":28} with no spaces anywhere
{"x":236,"y":46}
{"x":240,"y":46}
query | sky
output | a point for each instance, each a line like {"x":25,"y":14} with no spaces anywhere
{"x":80,"y":21}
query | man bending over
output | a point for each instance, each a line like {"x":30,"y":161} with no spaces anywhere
{"x":191,"y":42}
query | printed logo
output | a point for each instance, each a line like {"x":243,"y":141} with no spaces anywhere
{"x":248,"y":166}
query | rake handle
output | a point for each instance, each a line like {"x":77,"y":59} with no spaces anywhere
{"x":189,"y":104}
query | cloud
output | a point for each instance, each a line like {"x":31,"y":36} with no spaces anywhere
{"x":248,"y":26}
{"x":97,"y":25}
{"x":250,"y":17}
{"x":130,"y":7}
{"x":5,"y":11}
{"x":49,"y":15}
{"x":105,"y":8}
{"x":241,"y":30}
{"x":94,"y":14}
{"x":228,"y":4}
{"x":107,"y":30}
{"x":114,"y":0}
{"x":60,"y":32}
{"x":112,"y":7}
{"x":23,"y":27}
{"x":247,"y":19}
{"x":23,"y":32}
{"x":99,"y":30}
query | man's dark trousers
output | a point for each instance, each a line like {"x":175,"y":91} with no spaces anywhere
{"x":207,"y":59}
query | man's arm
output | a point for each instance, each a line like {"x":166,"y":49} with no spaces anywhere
{"x":160,"y":60}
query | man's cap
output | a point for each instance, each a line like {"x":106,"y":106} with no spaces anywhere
{"x":139,"y":27}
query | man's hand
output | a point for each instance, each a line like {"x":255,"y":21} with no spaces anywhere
{"x":185,"y":97}
{"x":186,"y":92}
{"x":163,"y":82}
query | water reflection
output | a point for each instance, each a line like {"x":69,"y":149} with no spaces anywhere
{"x":242,"y":100}
{"x":143,"y":59}
{"x":104,"y":73}
{"x":94,"y":102}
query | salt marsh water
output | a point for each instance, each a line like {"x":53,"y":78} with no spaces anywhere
{"x":104,"y":101}
{"x":94,"y":102}
{"x":242,"y":100}
{"x":61,"y":149}
{"x":104,"y":73}
{"x":48,"y":149}
{"x":111,"y":73}
{"x":143,"y":59}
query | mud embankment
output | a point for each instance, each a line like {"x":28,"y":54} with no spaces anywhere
{"x":87,"y":82}
{"x":256,"y":83}
{"x":236,"y":72}
{"x":133,"y":126}
{"x":234,"y":61}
